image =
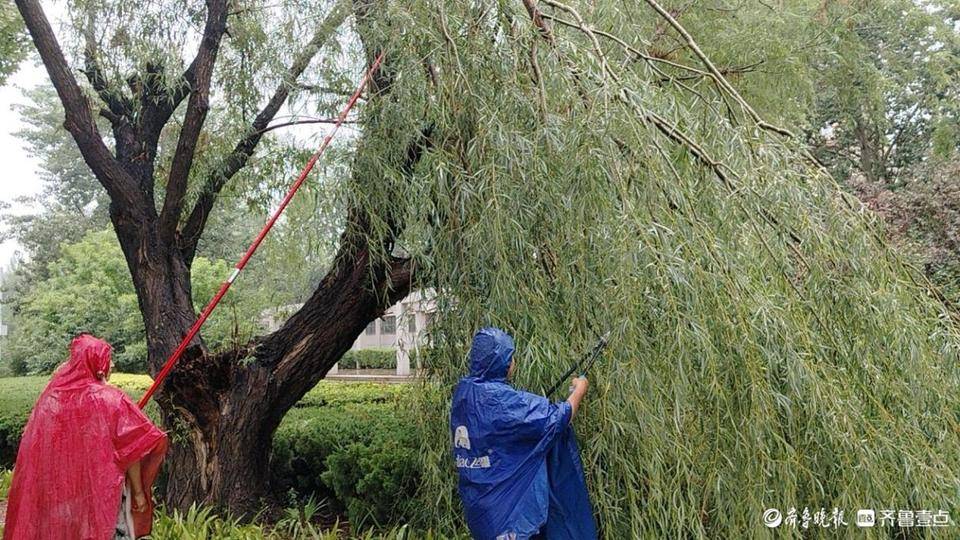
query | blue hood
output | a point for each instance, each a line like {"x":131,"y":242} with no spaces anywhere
{"x":490,"y":354}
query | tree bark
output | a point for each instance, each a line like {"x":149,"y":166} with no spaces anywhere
{"x":869,"y":155}
{"x":225,"y":411}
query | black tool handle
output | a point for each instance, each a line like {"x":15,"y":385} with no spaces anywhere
{"x":586,"y":361}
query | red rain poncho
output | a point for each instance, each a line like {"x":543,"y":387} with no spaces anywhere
{"x":82,"y":436}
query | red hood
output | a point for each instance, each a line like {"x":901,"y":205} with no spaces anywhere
{"x":88,"y":364}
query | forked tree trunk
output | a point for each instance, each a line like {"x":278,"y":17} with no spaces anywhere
{"x":223,"y":410}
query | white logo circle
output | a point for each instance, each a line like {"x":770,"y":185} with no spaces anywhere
{"x":772,"y":517}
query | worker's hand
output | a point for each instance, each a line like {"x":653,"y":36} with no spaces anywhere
{"x":580,"y":385}
{"x":139,"y":502}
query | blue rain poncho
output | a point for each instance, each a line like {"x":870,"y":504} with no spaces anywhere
{"x":516,"y":454}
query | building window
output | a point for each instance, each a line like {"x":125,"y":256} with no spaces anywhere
{"x":412,"y":323}
{"x":388,"y":325}
{"x":371,"y":328}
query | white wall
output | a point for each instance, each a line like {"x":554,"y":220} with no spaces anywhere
{"x":417,"y":306}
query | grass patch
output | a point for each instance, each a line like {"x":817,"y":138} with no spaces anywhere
{"x":5,"y":478}
{"x":203,"y":524}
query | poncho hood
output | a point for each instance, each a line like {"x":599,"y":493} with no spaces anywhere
{"x":89,"y":363}
{"x":490,"y":354}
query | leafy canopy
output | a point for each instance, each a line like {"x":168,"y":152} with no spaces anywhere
{"x":769,"y":348}
{"x":89,"y":290}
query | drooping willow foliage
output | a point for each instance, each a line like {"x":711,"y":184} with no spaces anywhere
{"x":768,"y":350}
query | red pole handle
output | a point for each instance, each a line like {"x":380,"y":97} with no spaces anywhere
{"x":225,"y":286}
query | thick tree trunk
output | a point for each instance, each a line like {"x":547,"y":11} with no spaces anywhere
{"x":221,"y":449}
{"x":870,"y":164}
{"x":223,"y":410}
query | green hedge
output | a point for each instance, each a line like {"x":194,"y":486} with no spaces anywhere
{"x":351,"y":443}
{"x":17,"y":396}
{"x":369,"y":359}
{"x":354,"y":444}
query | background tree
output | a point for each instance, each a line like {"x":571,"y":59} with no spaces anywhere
{"x":890,"y":88}
{"x":13,"y":40}
{"x":886,"y":120}
{"x":71,"y":202}
{"x":224,"y":410}
{"x":88,"y":289}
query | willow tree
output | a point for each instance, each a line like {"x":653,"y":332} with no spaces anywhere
{"x":595,"y":168}
{"x":173,"y":147}
{"x":550,"y":167}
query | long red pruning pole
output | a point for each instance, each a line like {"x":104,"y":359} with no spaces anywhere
{"x":225,"y":286}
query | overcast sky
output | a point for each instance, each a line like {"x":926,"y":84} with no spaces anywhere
{"x":19,"y":169}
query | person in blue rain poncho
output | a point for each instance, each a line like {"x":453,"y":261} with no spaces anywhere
{"x":516,"y":454}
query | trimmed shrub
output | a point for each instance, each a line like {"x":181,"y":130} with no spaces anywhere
{"x":376,"y":481}
{"x":369,"y":359}
{"x":17,"y":398}
{"x":354,"y":445}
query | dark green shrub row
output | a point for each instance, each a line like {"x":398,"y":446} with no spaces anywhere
{"x":17,"y":396}
{"x":369,"y":359}
{"x":351,"y":443}
{"x":359,"y":455}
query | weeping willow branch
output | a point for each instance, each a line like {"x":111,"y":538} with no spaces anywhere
{"x":675,"y":134}
{"x":746,"y":353}
{"x":718,"y":77}
{"x":672,"y":131}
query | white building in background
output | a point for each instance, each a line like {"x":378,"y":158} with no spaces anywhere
{"x":401,"y":327}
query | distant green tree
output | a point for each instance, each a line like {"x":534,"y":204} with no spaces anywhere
{"x":88,"y":289}
{"x":13,"y":39}
{"x":888,"y":94}
{"x":70,"y":203}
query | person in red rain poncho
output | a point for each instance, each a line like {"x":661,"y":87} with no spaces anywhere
{"x":84,"y":437}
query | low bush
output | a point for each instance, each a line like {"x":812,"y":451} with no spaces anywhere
{"x":350,"y":443}
{"x":338,"y":394}
{"x":16,"y":400}
{"x":376,"y":481}
{"x":354,"y":445}
{"x":369,"y":359}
